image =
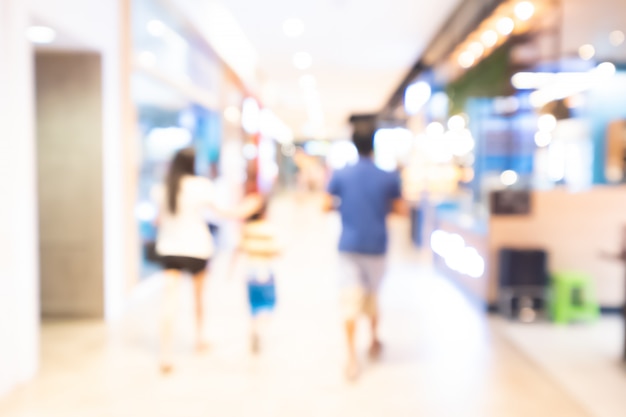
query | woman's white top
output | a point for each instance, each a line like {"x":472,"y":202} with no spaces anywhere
{"x":186,"y":233}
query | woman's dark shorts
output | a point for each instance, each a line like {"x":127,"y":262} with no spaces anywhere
{"x":184,"y":263}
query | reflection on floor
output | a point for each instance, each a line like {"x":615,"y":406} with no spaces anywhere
{"x":442,"y":356}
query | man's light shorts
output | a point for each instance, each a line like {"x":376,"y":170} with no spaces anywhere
{"x":361,"y":276}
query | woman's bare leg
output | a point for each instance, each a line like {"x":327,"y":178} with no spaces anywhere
{"x":198,"y":289}
{"x":168,"y":315}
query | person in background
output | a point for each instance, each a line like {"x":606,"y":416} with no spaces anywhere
{"x":365,"y":195}
{"x":259,"y":246}
{"x":184,"y":243}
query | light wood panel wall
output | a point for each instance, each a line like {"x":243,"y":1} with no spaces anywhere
{"x":69,"y":150}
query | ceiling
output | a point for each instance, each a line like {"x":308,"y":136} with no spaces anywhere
{"x":361,"y":50}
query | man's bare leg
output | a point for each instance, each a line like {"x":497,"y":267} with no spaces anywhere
{"x":352,"y":367}
{"x":376,"y":346}
{"x":372,"y":310}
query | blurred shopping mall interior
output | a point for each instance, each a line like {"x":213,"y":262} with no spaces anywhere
{"x":505,"y":288}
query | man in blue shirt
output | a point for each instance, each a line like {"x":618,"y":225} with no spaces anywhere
{"x":364,"y":196}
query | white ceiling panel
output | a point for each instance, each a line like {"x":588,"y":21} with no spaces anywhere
{"x":361,"y":49}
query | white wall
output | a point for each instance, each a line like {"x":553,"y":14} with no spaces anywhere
{"x":98,"y":25}
{"x":586,"y":22}
{"x":19,"y":310}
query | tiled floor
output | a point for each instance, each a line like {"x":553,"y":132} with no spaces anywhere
{"x":585,"y":359}
{"x":442,"y":356}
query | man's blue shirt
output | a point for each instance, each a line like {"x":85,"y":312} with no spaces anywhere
{"x":366,"y":194}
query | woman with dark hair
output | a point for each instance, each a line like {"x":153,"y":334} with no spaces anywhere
{"x":184,"y":243}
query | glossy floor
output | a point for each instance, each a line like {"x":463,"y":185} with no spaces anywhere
{"x":442,"y":356}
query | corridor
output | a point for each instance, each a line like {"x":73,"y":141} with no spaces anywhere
{"x":442,"y":356}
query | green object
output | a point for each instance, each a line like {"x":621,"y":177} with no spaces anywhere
{"x":573,"y":298}
{"x":489,"y":78}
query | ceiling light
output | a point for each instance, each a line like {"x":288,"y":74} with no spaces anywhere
{"x":41,"y":34}
{"x":293,"y":27}
{"x":477,"y":49}
{"x":587,"y":52}
{"x":617,"y":37}
{"x":302,"y":60}
{"x":505,"y":26}
{"x":489,"y":38}
{"x":466,"y":59}
{"x":308,"y":82}
{"x":524,"y":10}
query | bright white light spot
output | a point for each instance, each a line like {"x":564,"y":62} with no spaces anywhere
{"x":272,"y":127}
{"x":547,"y":123}
{"x":302,"y":60}
{"x":606,"y":69}
{"x":456,"y":122}
{"x":232,"y":114}
{"x":162,"y":142}
{"x":587,"y":52}
{"x":293,"y":27}
{"x":438,"y":242}
{"x":537,"y":99}
{"x":391,"y":146}
{"x":524,"y":10}
{"x":617,"y":38}
{"x":473,"y":264}
{"x":533,"y":80}
{"x":509,"y":177}
{"x":145,"y":211}
{"x":459,"y":257}
{"x":308,"y":82}
{"x":342,"y":153}
{"x":477,"y":49}
{"x":505,"y":26}
{"x":147,"y":58}
{"x":454,"y":251}
{"x":416,"y":96}
{"x":250,"y":151}
{"x":489,"y":38}
{"x":41,"y":34}
{"x":156,"y":28}
{"x":435,"y":129}
{"x":466,"y":59}
{"x":543,"y":139}
{"x":251,"y":115}
{"x":461,"y":142}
